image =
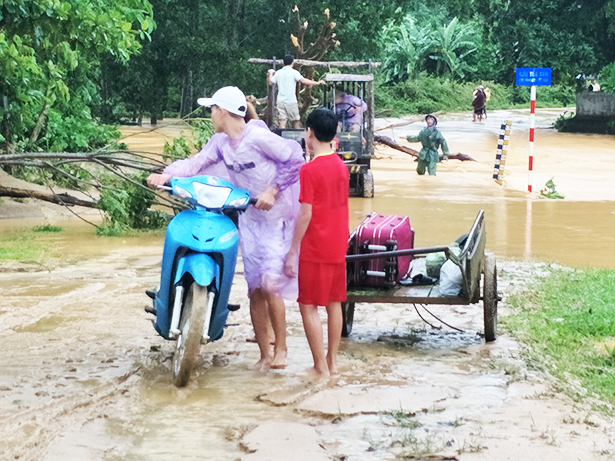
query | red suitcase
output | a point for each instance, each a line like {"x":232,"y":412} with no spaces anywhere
{"x":382,"y":233}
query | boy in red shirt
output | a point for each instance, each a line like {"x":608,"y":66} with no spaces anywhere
{"x":320,"y":240}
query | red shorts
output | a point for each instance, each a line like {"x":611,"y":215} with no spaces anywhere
{"x":321,"y":283}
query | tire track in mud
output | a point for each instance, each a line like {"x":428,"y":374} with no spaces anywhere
{"x":95,"y":364}
{"x":26,"y":435}
{"x":76,"y":338}
{"x":19,"y":316}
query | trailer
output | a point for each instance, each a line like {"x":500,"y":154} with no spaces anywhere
{"x":478,"y":270}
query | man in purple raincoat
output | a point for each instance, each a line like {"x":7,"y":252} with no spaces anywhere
{"x":268,"y":167}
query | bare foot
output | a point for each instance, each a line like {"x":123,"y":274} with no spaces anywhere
{"x":263,"y":364}
{"x":317,"y":372}
{"x":279,"y":360}
{"x":332,"y":367}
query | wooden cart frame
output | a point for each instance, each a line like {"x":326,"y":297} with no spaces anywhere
{"x":474,"y":264}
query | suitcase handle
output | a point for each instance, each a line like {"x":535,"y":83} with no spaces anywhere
{"x":377,"y":247}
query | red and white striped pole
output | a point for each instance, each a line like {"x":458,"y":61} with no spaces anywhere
{"x":531,"y":159}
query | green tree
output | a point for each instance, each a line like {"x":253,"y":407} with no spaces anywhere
{"x":47,"y":45}
{"x":607,"y":78}
{"x":450,"y":45}
{"x":407,"y":46}
{"x":567,"y":35}
{"x":405,"y":49}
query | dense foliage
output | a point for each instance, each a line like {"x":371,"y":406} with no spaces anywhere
{"x":127,"y":207}
{"x":460,"y":40}
{"x":607,"y":78}
{"x":410,"y":49}
{"x":66,"y":63}
{"x":50,"y":52}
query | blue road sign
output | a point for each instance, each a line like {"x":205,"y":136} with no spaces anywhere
{"x":533,"y":76}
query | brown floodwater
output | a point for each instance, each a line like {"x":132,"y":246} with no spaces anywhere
{"x":578,"y":230}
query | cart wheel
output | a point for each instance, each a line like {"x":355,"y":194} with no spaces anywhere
{"x":490,"y":298}
{"x":367,"y":180}
{"x":347,"y":318}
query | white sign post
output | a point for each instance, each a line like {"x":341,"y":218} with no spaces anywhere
{"x":532,"y":77}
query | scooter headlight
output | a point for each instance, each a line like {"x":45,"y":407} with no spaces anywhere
{"x":211,"y":196}
{"x":239,"y":202}
{"x":181,"y":192}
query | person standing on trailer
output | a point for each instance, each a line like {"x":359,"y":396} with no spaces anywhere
{"x":286,"y":78}
{"x":320,"y":240}
{"x":431,"y":139}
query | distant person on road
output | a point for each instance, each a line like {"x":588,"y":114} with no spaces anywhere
{"x":431,"y":139}
{"x":320,"y":240}
{"x":478,"y":103}
{"x":286,"y":78}
{"x":349,"y":111}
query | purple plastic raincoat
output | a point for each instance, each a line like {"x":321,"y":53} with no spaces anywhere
{"x":254,"y":162}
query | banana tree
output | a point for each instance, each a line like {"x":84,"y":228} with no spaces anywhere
{"x":450,"y":45}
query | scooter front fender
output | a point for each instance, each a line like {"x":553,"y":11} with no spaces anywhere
{"x":200,"y":266}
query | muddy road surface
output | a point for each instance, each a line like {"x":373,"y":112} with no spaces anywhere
{"x":84,"y":376}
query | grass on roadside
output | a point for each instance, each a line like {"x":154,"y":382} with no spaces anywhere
{"x":567,"y":322}
{"x":24,"y":248}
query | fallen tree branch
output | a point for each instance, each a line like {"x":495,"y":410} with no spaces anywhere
{"x":74,"y":213}
{"x":406,"y":122}
{"x":60,"y":199}
{"x":30,"y":158}
{"x":407,"y":150}
{"x":389,"y":142}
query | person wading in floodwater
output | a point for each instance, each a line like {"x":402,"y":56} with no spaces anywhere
{"x":431,"y":139}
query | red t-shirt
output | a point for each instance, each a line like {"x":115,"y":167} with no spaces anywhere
{"x":324,"y":185}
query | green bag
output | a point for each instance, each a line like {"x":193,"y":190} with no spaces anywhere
{"x":433,"y":263}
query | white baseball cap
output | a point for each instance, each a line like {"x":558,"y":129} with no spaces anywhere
{"x":229,"y":98}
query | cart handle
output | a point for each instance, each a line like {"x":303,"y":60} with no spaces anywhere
{"x":387,"y":254}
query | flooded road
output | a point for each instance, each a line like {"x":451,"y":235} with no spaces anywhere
{"x":85,"y":376}
{"x":576,"y":231}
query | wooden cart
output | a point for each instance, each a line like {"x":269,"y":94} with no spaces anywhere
{"x":474,"y":264}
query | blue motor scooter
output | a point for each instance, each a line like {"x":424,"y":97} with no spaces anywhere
{"x":198,"y":264}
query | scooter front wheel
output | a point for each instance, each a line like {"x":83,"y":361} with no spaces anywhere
{"x":190,"y":332}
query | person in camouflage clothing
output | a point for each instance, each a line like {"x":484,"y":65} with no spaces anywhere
{"x":431,"y":139}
